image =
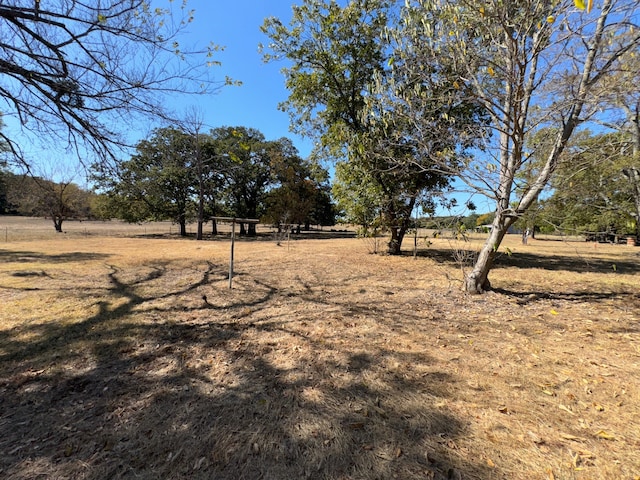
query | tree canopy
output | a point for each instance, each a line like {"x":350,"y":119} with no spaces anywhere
{"x":156,"y":183}
{"x":592,"y":196}
{"x":229,"y":171}
{"x":335,"y":54}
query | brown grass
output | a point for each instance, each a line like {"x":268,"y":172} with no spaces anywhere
{"x":322,"y":362}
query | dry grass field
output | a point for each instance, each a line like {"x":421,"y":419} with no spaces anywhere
{"x":131,"y":358}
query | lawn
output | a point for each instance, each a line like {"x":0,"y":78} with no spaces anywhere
{"x":131,"y":358}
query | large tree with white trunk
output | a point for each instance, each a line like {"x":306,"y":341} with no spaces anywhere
{"x":529,"y":64}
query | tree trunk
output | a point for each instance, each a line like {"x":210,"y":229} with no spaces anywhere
{"x":199,"y":232}
{"x":252,"y":230}
{"x":401,"y":217}
{"x":183,"y":227}
{"x":57,"y":223}
{"x":394,"y":247}
{"x":214,"y":227}
{"x":200,"y":217}
{"x":633,"y":175}
{"x":478,"y":280}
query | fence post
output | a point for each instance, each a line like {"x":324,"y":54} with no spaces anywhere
{"x":233,"y":239}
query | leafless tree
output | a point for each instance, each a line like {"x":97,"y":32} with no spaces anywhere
{"x":82,"y":74}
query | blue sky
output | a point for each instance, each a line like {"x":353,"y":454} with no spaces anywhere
{"x":236,"y":25}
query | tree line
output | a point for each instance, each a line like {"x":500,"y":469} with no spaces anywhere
{"x":183,"y":177}
{"x":237,"y":173}
{"x":34,"y":196}
{"x":227,"y":172}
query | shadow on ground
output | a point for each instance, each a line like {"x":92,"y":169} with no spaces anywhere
{"x":262,"y":236}
{"x":526,"y":260}
{"x":32,"y":257}
{"x":155,"y":386}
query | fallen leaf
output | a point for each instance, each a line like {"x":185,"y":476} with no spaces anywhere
{"x":576,"y":460}
{"x":605,"y":435}
{"x":585,"y":454}
{"x":566,"y":409}
{"x":199,"y":463}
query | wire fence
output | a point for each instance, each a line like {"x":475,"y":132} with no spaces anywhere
{"x":17,"y":229}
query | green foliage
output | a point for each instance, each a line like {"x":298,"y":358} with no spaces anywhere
{"x":590,"y":191}
{"x":358,"y":197}
{"x":300,"y":197}
{"x":5,"y":206}
{"x":238,"y":172}
{"x":157,"y":183}
{"x":247,"y":171}
{"x":336,"y":54}
{"x":527,"y":65}
{"x":470,"y":222}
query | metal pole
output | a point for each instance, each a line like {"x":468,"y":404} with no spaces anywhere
{"x":233,"y":239}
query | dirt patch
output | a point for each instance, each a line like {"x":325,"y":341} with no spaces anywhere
{"x":130,"y":358}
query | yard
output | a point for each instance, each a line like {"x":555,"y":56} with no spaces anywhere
{"x":129,"y":357}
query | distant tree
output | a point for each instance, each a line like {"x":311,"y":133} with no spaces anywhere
{"x":485,"y":219}
{"x":324,"y":211}
{"x":247,"y":157}
{"x":157,"y":183}
{"x":621,"y":97}
{"x":632,"y":174}
{"x":208,"y":168}
{"x":5,"y":207}
{"x":61,"y":201}
{"x":471,"y":221}
{"x":85,"y":73}
{"x":299,"y":197}
{"x":591,"y":196}
{"x":42,"y":197}
{"x":359,"y":198}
